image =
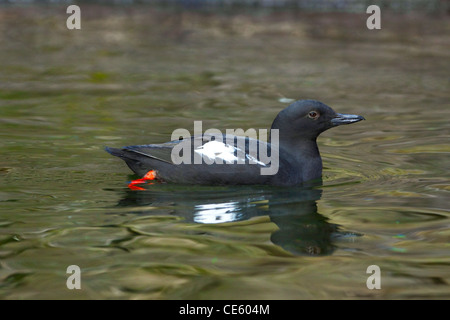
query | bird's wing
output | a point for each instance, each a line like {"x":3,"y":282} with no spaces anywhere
{"x":225,"y":149}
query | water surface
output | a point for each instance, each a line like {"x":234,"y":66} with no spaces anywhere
{"x":133,"y":75}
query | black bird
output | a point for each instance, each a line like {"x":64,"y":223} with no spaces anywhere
{"x":210,"y":159}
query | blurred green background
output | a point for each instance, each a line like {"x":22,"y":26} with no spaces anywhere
{"x":137,"y":70}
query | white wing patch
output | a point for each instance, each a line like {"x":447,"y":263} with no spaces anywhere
{"x":217,"y":150}
{"x":214,"y":150}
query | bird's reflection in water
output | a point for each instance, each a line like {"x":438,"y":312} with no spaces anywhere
{"x":217,"y":212}
{"x":302,"y":230}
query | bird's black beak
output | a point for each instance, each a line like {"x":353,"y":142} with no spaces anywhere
{"x":345,"y":119}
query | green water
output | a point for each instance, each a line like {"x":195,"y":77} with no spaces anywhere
{"x":133,"y":75}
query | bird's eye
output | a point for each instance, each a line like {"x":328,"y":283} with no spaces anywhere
{"x":313,"y":115}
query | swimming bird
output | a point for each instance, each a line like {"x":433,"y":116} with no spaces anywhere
{"x":291,"y":156}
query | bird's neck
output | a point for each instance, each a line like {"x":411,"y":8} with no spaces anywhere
{"x":307,"y":149}
{"x":304,"y":155}
{"x":300,"y":148}
{"x":303,"y":151}
{"x":304,"y":148}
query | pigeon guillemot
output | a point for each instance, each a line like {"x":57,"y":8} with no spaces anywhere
{"x":230,"y":159}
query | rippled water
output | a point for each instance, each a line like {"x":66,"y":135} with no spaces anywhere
{"x":132,"y":76}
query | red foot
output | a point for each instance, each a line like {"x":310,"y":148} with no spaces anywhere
{"x":151,"y":175}
{"x":133,"y":187}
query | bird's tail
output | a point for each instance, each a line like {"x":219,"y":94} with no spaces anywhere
{"x":132,"y":159}
{"x":115,"y":152}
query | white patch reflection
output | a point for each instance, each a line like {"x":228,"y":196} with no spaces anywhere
{"x":217,"y":212}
